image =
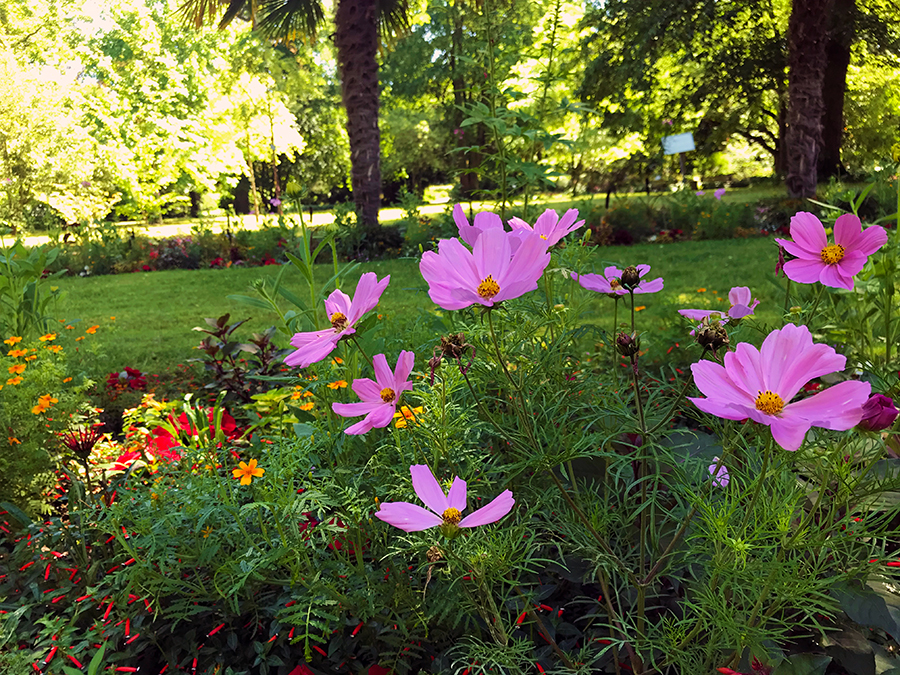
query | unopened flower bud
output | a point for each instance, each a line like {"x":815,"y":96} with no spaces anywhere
{"x":879,"y":413}
{"x":796,"y":309}
{"x":630,"y":278}
{"x":627,"y":345}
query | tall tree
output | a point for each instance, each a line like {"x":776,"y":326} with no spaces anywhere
{"x":807,"y":38}
{"x":356,"y":36}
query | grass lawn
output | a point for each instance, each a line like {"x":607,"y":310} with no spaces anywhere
{"x":155,"y":311}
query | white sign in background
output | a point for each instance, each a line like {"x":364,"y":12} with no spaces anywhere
{"x":672,"y":145}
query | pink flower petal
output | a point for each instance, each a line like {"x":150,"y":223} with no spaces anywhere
{"x":788,"y":431}
{"x":356,"y":409}
{"x":697,"y":314}
{"x":384,"y":377}
{"x":839,"y":407}
{"x":847,"y":231}
{"x":808,"y":231}
{"x":714,"y":382}
{"x":367,"y":390}
{"x":851,"y":264}
{"x":593,"y":282}
{"x":311,"y":347}
{"x":519,"y":224}
{"x":797,"y":250}
{"x":804,"y":271}
{"x":790,"y":359}
{"x":653,"y":286}
{"x":499,"y":507}
{"x":456,"y":498}
{"x":491,"y":254}
{"x":428,"y":489}
{"x":740,"y":295}
{"x":368,"y":293}
{"x":408,"y":517}
{"x":724,"y":410}
{"x":405,"y":363}
{"x":832,"y":277}
{"x":873,"y":238}
{"x":338,"y":301}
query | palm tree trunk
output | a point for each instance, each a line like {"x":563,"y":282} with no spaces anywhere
{"x":356,"y":39}
{"x":807,"y":36}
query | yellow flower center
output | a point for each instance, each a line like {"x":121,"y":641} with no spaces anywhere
{"x":769,"y":402}
{"x":544,"y":237}
{"x":338,"y":321}
{"x":488,"y":288}
{"x":832,"y":254}
{"x":614,"y":284}
{"x":388,"y":395}
{"x":452,"y":516}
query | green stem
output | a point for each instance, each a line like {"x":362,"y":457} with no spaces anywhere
{"x":787,"y":302}
{"x":759,"y":483}
{"x":361,"y":350}
{"x":612,"y":341}
{"x":815,"y":306}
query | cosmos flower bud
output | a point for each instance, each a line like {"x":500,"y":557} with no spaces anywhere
{"x":628,"y":345}
{"x":711,"y":335}
{"x":630,"y":277}
{"x":879,"y":413}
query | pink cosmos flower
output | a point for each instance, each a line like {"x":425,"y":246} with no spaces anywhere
{"x":721,"y":478}
{"x":718,"y":194}
{"x":379,"y":398}
{"x":486,"y":275}
{"x":549,"y":225}
{"x":835,"y":264}
{"x":610,"y":281}
{"x":446,"y":510}
{"x":483,"y":221}
{"x":759,"y":384}
{"x":742,"y":304}
{"x":343,"y":313}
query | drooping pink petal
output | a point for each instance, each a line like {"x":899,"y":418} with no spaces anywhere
{"x":368,"y":292}
{"x":518,"y":224}
{"x":796,"y":249}
{"x":789,"y":432}
{"x":379,"y":418}
{"x":407,"y":517}
{"x":808,"y":231}
{"x":311,"y":347}
{"x":456,"y":498}
{"x":428,"y":489}
{"x":494,"y":511}
{"x":366,"y":389}
{"x":839,"y":407}
{"x":652,"y":286}
{"x":804,"y":271}
{"x":832,"y":277}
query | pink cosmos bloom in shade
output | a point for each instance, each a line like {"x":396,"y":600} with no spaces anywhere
{"x":609,"y":281}
{"x":835,"y":264}
{"x":379,"y":397}
{"x":446,"y":509}
{"x":343,"y":313}
{"x":718,"y":194}
{"x":742,"y":304}
{"x":549,"y":225}
{"x":879,"y":413}
{"x":483,"y":221}
{"x":721,"y":478}
{"x":760,"y":383}
{"x":486,"y":275}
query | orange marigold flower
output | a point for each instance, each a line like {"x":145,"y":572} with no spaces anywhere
{"x":56,"y":349}
{"x":68,"y":379}
{"x":38,"y":409}
{"x":16,"y":353}
{"x":337,"y":360}
{"x":92,"y":330}
{"x":79,"y":338}
{"x":17,"y":369}
{"x":14,"y":441}
{"x":701,"y":290}
{"x":307,"y":406}
{"x":340,"y":384}
{"x":14,"y":380}
{"x":406,"y":413}
{"x":246,"y":471}
{"x":47,"y":400}
{"x":112,"y":318}
{"x":640,"y":307}
{"x":70,"y":327}
{"x":31,"y":358}
{"x":12,"y":340}
{"x":49,"y":337}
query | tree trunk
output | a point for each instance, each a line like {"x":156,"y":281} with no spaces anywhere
{"x":356,"y":39}
{"x":841,"y":34}
{"x":807,"y":35}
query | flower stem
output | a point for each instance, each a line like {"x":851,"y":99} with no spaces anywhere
{"x":612,"y":341}
{"x":759,"y":482}
{"x":361,"y":350}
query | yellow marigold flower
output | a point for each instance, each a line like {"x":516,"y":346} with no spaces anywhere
{"x":49,"y":337}
{"x":47,"y":400}
{"x":246,"y":471}
{"x":14,"y":380}
{"x":208,"y":529}
{"x":92,"y":330}
{"x":406,"y":413}
{"x":17,"y":369}
{"x":296,"y":395}
{"x":56,"y":349}
{"x":307,"y":406}
{"x":340,"y":384}
{"x":16,"y":353}
{"x":12,"y":340}
{"x":31,"y":358}
{"x":14,"y":441}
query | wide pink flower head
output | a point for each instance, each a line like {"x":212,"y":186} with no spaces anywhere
{"x":549,"y":225}
{"x":742,"y":304}
{"x":446,"y":509}
{"x":609,"y":281}
{"x":759,"y":384}
{"x":835,"y":264}
{"x":486,"y":275}
{"x":379,"y":397}
{"x":343,"y":313}
{"x":482,"y":221}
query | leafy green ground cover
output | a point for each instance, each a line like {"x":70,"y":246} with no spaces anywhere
{"x":156,"y":311}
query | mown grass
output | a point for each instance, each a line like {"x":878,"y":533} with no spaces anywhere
{"x":156,"y":311}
